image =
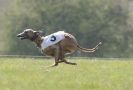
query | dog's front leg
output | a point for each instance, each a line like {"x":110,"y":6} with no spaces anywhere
{"x":56,"y":55}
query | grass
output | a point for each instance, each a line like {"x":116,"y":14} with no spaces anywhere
{"x":89,"y":74}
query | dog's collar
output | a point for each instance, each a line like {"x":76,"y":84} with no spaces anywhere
{"x":34,"y":37}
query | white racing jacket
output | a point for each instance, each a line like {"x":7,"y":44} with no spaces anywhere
{"x":52,"y":39}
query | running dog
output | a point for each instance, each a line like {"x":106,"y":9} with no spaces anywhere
{"x":56,"y":45}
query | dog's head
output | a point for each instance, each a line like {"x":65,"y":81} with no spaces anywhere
{"x":29,"y":34}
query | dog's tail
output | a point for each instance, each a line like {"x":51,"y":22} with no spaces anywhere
{"x":89,"y":50}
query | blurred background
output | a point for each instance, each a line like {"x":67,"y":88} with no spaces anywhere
{"x":90,"y":21}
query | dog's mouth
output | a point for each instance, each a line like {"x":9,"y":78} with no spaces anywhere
{"x":21,"y":36}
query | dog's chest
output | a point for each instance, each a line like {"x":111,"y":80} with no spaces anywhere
{"x":50,"y":51}
{"x":52,"y":39}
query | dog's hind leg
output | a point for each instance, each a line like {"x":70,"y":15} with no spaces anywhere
{"x":62,"y":57}
{"x":65,"y":61}
{"x":71,"y":63}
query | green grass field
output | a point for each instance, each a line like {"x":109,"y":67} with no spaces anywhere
{"x":91,"y":74}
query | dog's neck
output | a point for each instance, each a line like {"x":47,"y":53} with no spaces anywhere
{"x":38,"y":41}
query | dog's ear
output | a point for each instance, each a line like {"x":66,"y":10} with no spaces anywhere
{"x":38,"y":32}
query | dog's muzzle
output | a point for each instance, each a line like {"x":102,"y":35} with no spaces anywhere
{"x":22,"y":36}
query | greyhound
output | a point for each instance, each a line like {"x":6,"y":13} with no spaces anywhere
{"x":67,"y":45}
